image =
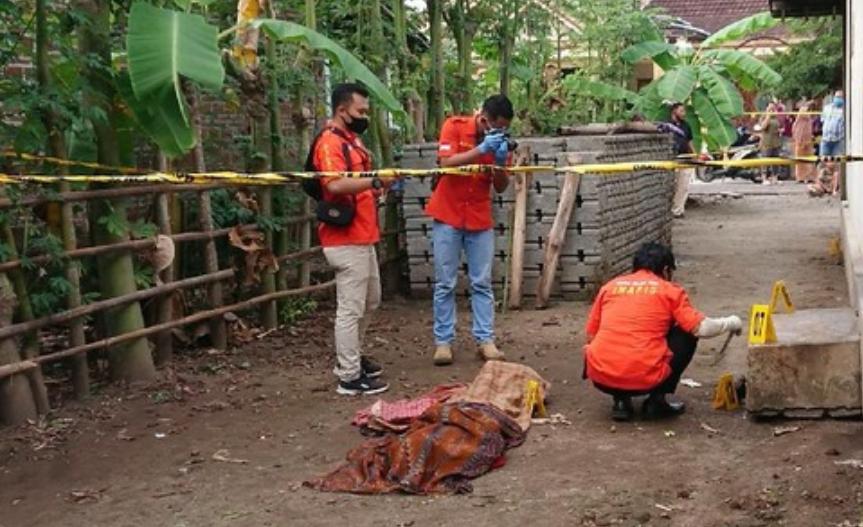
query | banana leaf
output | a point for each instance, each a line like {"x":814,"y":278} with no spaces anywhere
{"x":677,"y":85}
{"x":722,"y":92}
{"x":756,"y":69}
{"x":659,"y":51}
{"x":597,"y":89}
{"x":697,"y":134}
{"x":650,"y":103}
{"x":741,"y":29}
{"x":159,"y":116}
{"x":162,"y":45}
{"x":352,"y":67}
{"x":720,"y":133}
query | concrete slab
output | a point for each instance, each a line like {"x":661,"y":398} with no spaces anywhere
{"x":813,"y":367}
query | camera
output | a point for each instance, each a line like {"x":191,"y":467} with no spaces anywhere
{"x":511,"y":143}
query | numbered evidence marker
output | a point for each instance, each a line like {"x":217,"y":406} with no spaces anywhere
{"x":761,"y":329}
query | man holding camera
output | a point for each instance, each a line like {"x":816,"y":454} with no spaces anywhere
{"x":461,"y":208}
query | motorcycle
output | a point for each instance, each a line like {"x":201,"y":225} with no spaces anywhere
{"x":745,"y":147}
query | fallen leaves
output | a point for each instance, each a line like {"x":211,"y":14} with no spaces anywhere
{"x":259,"y":257}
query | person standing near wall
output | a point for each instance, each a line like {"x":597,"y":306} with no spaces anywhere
{"x":682,"y":134}
{"x":349,"y":246}
{"x":833,"y":138}
{"x":461,"y":209}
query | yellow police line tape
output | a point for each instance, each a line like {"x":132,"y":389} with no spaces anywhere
{"x":71,"y":163}
{"x":278,"y":178}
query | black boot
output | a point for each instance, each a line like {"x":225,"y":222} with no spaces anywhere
{"x":656,"y":407}
{"x":622,"y":410}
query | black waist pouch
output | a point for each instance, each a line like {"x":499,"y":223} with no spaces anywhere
{"x":336,"y":214}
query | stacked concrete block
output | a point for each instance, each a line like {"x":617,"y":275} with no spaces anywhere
{"x":613,"y":214}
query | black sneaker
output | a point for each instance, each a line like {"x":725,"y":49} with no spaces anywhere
{"x":371,"y":369}
{"x":658,"y":408}
{"x":362,"y":386}
{"x":622,"y":410}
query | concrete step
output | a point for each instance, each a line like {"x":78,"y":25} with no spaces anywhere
{"x":812,"y":370}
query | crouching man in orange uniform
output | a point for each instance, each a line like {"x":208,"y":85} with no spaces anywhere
{"x":642,"y":333}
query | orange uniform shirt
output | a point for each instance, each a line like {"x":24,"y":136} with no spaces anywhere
{"x":329,"y":156}
{"x":628,"y":323}
{"x":463,"y":202}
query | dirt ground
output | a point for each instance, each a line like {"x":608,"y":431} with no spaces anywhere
{"x":147,"y":457}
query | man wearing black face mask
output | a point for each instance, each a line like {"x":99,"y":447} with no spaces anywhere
{"x":350,"y":249}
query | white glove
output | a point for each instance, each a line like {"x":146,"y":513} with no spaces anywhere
{"x":734,"y":324}
{"x":713,"y":327}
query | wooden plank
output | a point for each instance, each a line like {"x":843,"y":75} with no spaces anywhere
{"x":557,"y":236}
{"x":519,"y":226}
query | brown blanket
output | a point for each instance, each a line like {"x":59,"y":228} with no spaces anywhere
{"x":442,"y":450}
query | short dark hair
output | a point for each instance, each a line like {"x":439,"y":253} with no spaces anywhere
{"x":653,"y":257}
{"x":344,"y":93}
{"x":498,"y":106}
{"x":675,"y":106}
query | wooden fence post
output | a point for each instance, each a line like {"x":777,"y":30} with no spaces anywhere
{"x":519,"y":226}
{"x":80,"y":369}
{"x":165,"y":306}
{"x":269,"y":311}
{"x":556,"y":238}
{"x":306,"y":244}
{"x":218,"y":331}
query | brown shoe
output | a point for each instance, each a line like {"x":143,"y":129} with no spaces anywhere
{"x":488,"y":351}
{"x":443,"y":355}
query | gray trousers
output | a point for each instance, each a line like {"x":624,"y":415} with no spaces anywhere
{"x":358,"y":291}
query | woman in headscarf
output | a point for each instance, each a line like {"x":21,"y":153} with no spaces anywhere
{"x":801,"y":133}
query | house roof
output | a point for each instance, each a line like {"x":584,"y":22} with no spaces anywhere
{"x":711,"y":15}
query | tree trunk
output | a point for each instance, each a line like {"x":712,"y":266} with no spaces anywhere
{"x":280,"y":239}
{"x":25,"y":313}
{"x":218,"y":331}
{"x":17,"y":403}
{"x":57,"y":148}
{"x":305,"y":138}
{"x":436,"y":104}
{"x":131,"y":361}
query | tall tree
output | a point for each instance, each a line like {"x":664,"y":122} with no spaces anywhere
{"x":131,"y":361}
{"x":463,"y":19}
{"x":436,"y":93}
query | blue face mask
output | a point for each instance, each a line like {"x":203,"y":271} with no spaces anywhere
{"x":839,"y":102}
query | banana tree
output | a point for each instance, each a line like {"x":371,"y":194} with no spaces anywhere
{"x":164,"y":46}
{"x":707,"y":81}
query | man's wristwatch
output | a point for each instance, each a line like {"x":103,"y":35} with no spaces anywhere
{"x":377,"y":184}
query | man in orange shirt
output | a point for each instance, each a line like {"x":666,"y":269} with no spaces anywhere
{"x":461,"y":208}
{"x":642,"y":333}
{"x":350,"y":248}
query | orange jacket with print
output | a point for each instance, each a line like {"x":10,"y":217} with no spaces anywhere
{"x":627,"y":328}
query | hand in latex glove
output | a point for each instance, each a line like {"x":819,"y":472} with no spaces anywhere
{"x":733,"y":324}
{"x":491,"y":143}
{"x":501,"y":154}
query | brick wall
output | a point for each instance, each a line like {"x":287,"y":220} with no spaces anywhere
{"x":612,"y":217}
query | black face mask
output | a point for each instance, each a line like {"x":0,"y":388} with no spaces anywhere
{"x":358,"y":125}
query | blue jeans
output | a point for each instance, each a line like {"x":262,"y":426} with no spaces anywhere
{"x":832,"y":148}
{"x":448,"y":243}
